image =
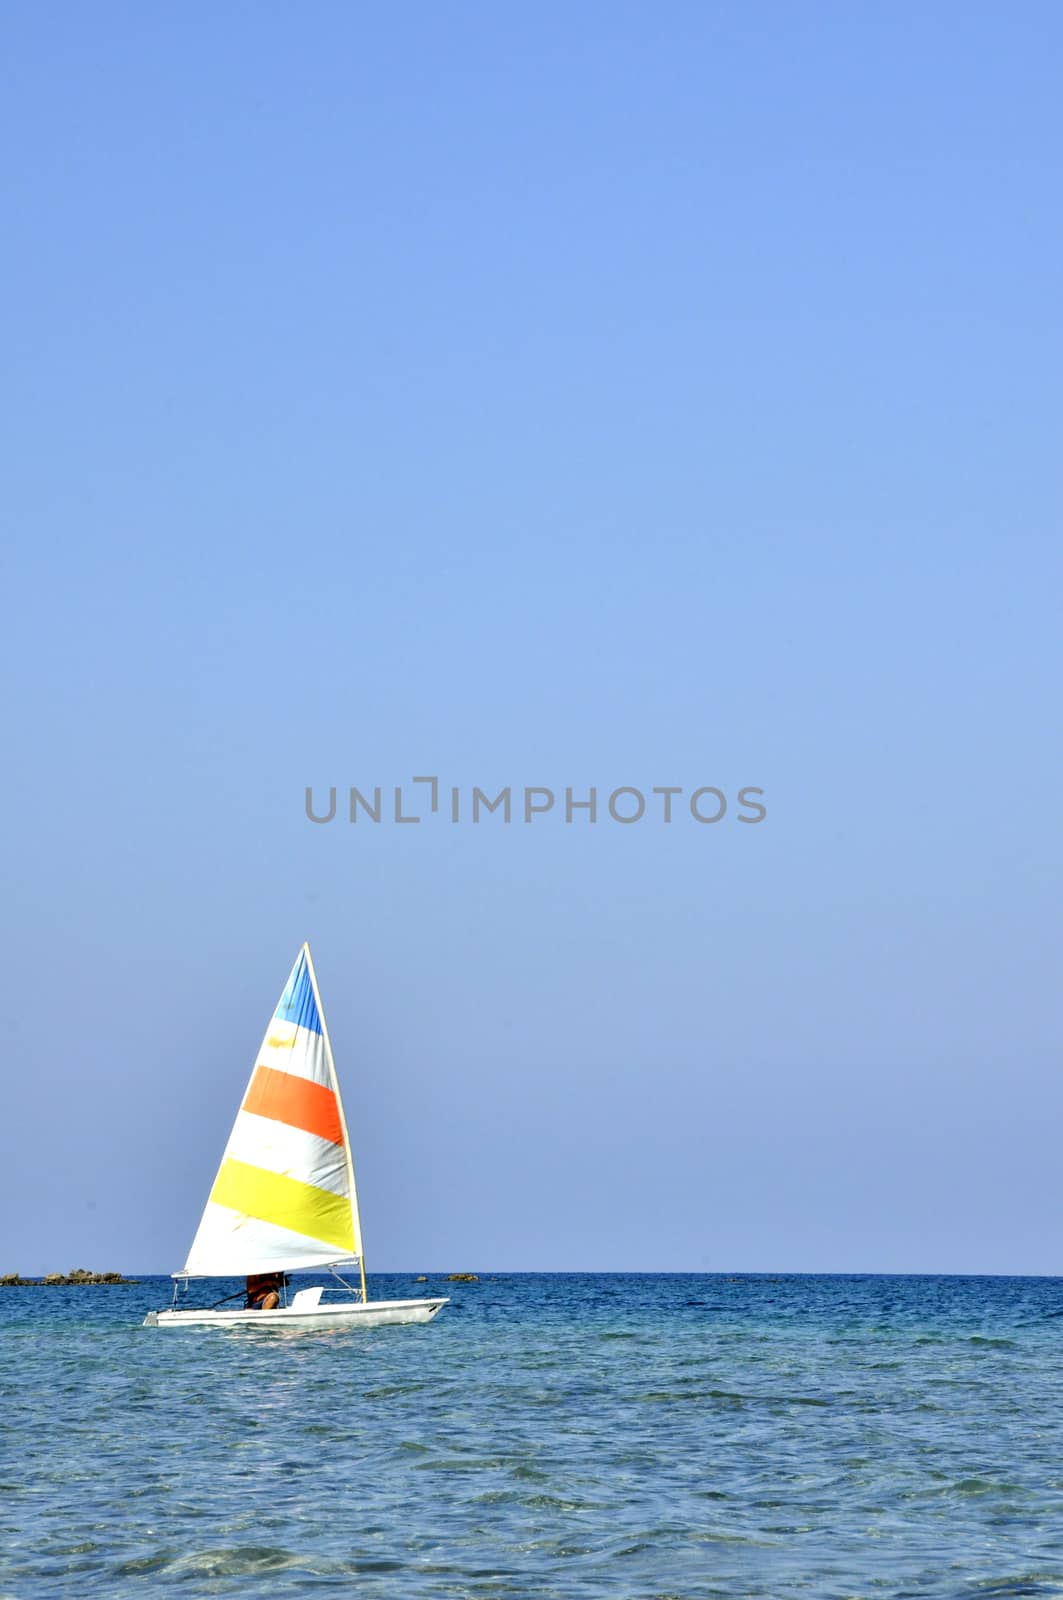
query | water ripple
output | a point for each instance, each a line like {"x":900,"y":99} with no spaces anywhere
{"x":588,"y":1438}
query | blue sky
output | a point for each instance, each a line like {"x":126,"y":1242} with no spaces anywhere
{"x":561,"y":397}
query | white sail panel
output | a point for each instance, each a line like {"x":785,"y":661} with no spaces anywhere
{"x":219,"y":1252}
{"x":284,"y":1194}
{"x":258,"y":1141}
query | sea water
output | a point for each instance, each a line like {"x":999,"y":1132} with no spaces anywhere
{"x":571,"y":1436}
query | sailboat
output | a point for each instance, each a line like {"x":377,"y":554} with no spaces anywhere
{"x":284,"y":1198}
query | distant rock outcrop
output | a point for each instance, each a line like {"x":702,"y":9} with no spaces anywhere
{"x":463,"y":1277}
{"x":63,"y":1280}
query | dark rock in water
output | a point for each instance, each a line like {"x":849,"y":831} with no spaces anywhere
{"x":64,"y":1280}
{"x":462,"y":1277}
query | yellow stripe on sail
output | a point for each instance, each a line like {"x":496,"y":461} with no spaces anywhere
{"x":285,"y":1202}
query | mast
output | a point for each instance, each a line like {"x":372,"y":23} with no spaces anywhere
{"x":343,"y":1119}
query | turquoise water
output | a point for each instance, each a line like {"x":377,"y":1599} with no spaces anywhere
{"x":571,"y":1436}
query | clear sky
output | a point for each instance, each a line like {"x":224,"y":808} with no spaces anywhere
{"x":564,"y":396}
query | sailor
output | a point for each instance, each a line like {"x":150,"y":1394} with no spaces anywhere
{"x":263,"y":1290}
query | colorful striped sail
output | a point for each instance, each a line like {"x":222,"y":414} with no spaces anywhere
{"x":284,"y":1197}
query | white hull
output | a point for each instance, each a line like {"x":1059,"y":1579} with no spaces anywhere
{"x":349,"y":1314}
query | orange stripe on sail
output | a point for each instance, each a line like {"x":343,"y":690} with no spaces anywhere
{"x":283,"y":1097}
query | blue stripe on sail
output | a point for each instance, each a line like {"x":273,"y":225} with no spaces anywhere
{"x":297,"y":1003}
